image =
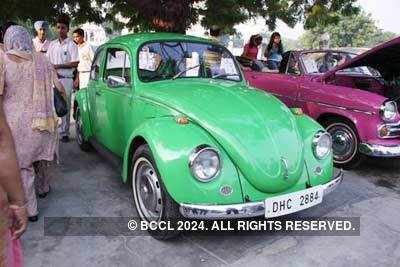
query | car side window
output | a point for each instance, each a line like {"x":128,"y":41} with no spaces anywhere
{"x":284,"y":62}
{"x":95,"y":69}
{"x":292,"y":67}
{"x":118,"y":66}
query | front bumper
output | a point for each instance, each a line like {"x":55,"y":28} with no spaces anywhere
{"x":245,"y":210}
{"x":380,"y":150}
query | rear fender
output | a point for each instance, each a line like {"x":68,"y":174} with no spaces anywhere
{"x":81,"y":100}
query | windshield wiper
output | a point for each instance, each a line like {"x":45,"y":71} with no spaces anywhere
{"x":221,"y":75}
{"x":185,"y":70}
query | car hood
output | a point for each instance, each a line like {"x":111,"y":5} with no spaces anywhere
{"x":385,"y":58}
{"x":256,"y":130}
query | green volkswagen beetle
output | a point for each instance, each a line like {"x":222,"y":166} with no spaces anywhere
{"x":193,"y":139}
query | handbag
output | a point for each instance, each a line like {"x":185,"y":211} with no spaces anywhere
{"x":60,"y":105}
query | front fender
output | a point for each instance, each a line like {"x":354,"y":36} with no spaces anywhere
{"x":81,"y":100}
{"x":171,"y":144}
{"x":365,"y":122}
{"x":308,"y":127}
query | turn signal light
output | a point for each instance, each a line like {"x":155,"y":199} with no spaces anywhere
{"x":297,"y":111}
{"x":383,"y":131}
{"x":182,"y":120}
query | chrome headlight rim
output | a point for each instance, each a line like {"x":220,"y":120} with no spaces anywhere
{"x":317,"y":137}
{"x":193,"y":156}
{"x":384,"y":108}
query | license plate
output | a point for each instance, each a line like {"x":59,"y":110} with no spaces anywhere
{"x":293,"y":202}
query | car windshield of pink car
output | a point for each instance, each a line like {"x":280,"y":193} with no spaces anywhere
{"x":321,"y":62}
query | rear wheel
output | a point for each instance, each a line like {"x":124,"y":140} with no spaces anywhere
{"x":345,"y":143}
{"x":80,"y":139}
{"x":151,"y":199}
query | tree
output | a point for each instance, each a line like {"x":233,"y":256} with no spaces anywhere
{"x":178,"y":15}
{"x":357,"y":30}
{"x":80,"y":10}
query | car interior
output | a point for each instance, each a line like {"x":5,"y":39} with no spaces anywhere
{"x":118,"y":65}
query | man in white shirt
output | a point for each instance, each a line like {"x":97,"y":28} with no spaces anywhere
{"x":63,"y":54}
{"x":86,"y":56}
{"x":40,"y":42}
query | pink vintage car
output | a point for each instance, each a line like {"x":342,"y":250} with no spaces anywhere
{"x":355,"y":97}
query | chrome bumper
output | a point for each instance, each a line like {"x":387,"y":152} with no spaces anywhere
{"x":379,"y":150}
{"x":245,"y":210}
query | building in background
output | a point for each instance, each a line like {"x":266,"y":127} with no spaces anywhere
{"x":95,"y":34}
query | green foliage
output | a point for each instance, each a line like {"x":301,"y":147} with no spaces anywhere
{"x":80,"y":10}
{"x":178,"y":15}
{"x":357,"y":30}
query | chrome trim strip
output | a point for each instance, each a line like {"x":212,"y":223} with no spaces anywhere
{"x":343,"y":108}
{"x":328,"y":105}
{"x":380,"y":150}
{"x":322,"y":104}
{"x":361,"y":111}
{"x":245,"y":210}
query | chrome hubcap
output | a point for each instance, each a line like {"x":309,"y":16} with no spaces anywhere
{"x":344,"y":143}
{"x":148,"y":190}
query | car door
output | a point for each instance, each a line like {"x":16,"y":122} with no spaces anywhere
{"x":114,"y":98}
{"x":94,"y":88}
{"x":284,"y":84}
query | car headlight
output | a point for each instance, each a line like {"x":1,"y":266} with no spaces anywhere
{"x":322,"y":144}
{"x":204,"y":163}
{"x":388,"y":110}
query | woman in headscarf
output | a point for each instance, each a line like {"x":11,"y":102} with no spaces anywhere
{"x":26,"y":83}
{"x":3,"y":29}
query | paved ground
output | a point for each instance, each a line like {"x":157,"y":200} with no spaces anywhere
{"x":84,"y":185}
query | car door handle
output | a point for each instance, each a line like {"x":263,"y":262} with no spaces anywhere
{"x":98,"y":93}
{"x":254,"y":76}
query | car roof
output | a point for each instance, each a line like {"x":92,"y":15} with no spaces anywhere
{"x":140,"y":38}
{"x":321,"y":51}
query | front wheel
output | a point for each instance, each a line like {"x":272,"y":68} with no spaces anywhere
{"x":345,"y":144}
{"x":80,"y":139}
{"x":151,"y":199}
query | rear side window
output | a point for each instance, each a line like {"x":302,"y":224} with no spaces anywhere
{"x":118,"y":64}
{"x":293,"y":65}
{"x":95,"y":70}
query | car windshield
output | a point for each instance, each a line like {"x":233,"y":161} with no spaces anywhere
{"x":184,"y":59}
{"x":321,"y":62}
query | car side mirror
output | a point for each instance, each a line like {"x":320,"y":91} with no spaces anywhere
{"x":116,"y":81}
